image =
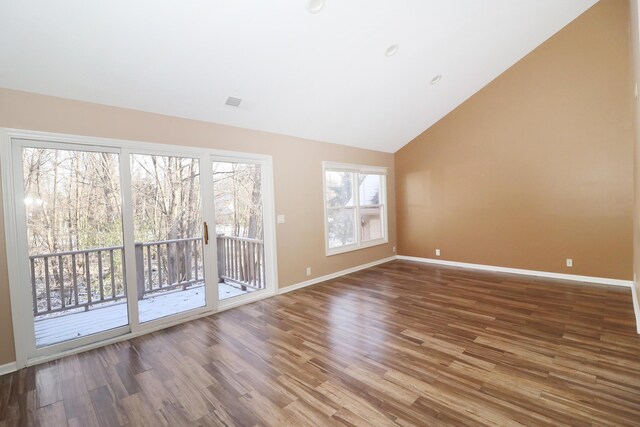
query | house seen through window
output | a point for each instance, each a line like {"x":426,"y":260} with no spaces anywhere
{"x":355,"y":206}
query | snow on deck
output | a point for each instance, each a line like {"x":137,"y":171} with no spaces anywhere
{"x":52,"y":330}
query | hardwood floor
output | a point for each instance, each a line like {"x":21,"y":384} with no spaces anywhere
{"x":397,"y":344}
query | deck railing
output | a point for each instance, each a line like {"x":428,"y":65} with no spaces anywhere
{"x":87,"y":278}
{"x":241,"y":260}
{"x":76,"y":279}
{"x":168,"y":264}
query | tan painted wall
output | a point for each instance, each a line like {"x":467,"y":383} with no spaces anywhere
{"x":635,"y":80}
{"x":297,"y":177}
{"x":535,"y":168}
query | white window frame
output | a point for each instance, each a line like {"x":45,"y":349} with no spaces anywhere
{"x":356,"y":170}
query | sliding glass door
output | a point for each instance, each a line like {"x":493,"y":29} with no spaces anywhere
{"x":239,"y":213}
{"x":121,"y":238}
{"x":72,"y":209}
{"x":169,"y":244}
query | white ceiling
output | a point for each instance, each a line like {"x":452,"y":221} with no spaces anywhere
{"x":320,"y":76}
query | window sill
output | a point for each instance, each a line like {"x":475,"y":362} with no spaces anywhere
{"x":354,"y":247}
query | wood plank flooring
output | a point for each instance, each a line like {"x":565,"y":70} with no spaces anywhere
{"x":397,"y":344}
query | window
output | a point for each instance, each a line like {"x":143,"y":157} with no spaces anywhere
{"x":355,"y":202}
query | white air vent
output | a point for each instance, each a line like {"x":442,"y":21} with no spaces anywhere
{"x":234,"y":102}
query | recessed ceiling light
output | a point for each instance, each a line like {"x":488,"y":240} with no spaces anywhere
{"x":315,"y":6}
{"x":436,"y":79}
{"x":233,"y":102}
{"x":392,"y":50}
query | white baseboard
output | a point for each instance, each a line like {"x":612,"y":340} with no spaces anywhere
{"x":562,"y":276}
{"x":333,"y":275}
{"x":636,"y":306}
{"x":8,"y":368}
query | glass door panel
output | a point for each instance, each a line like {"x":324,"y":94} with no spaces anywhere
{"x":168,"y":234}
{"x":73,"y":211}
{"x":238,"y":196}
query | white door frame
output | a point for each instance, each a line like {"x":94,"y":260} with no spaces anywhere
{"x":21,"y":251}
{"x":22,"y":318}
{"x":209,"y":254}
{"x":268,"y":219}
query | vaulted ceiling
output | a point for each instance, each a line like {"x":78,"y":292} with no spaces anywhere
{"x":324,"y":76}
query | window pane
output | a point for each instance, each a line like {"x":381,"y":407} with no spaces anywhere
{"x":166,"y":198}
{"x":371,"y":224}
{"x":237,"y":191}
{"x":339,"y":188}
{"x":74,"y":229}
{"x":341,"y":226}
{"x":168,"y":232}
{"x":369,"y":189}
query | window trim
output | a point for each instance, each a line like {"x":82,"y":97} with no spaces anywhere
{"x":357,"y":170}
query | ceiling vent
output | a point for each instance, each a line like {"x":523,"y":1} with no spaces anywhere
{"x":233,"y":102}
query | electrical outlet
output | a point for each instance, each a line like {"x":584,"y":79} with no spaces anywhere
{"x":308,"y":271}
{"x":281,"y":219}
{"x":437,"y":252}
{"x":569,"y":262}
{"x":394,"y":249}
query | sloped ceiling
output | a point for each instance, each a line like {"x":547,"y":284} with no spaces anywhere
{"x":322,"y":76}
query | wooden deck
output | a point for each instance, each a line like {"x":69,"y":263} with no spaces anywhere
{"x":55,"y":329}
{"x":396,"y":344}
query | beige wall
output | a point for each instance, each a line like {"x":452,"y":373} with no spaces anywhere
{"x":635,"y":80}
{"x":537,"y":166}
{"x":297,"y":177}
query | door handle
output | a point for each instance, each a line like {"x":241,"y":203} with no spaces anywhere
{"x":206,"y":233}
